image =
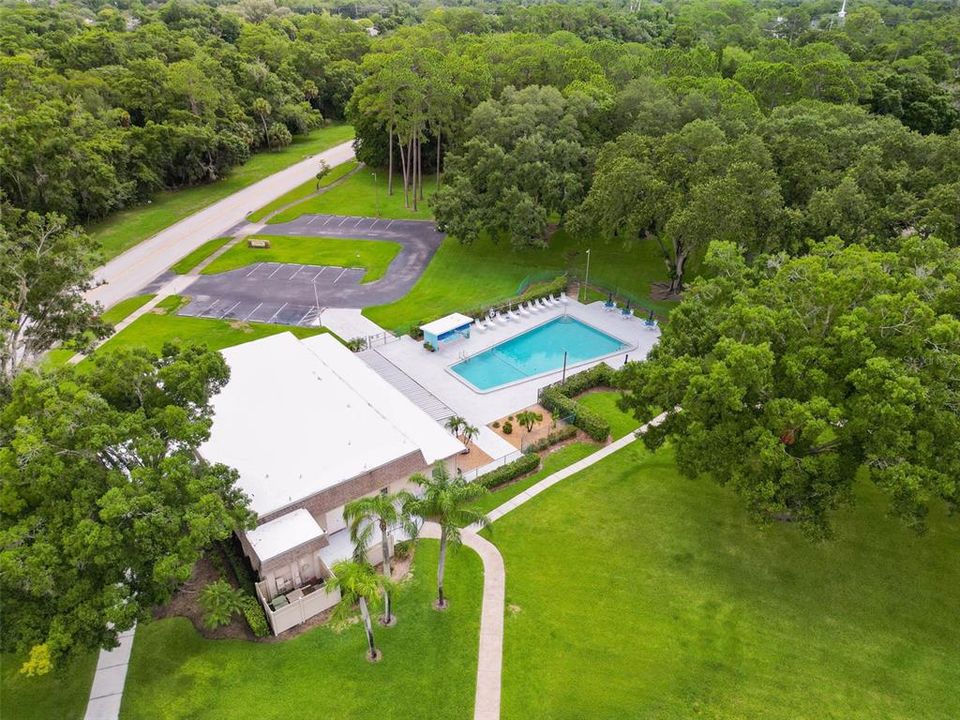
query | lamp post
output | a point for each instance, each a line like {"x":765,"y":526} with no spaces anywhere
{"x":376,"y":192}
{"x":563,"y":377}
{"x":586,"y":277}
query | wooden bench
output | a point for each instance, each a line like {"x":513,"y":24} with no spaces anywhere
{"x":258,"y":243}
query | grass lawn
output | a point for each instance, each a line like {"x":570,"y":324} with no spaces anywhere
{"x":374,"y":255}
{"x":62,"y":694}
{"x":161,"y":326}
{"x":126,"y":228}
{"x":190,"y":261}
{"x":604,"y":402}
{"x":428,"y":667}
{"x":360,"y":195}
{"x":552,"y":462}
{"x":299,"y":193}
{"x":464,"y":277}
{"x":684,"y":608}
{"x":59,"y":356}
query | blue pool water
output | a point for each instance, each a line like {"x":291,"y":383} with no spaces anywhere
{"x":536,"y":352}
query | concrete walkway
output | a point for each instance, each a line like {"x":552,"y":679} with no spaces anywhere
{"x":106,"y":693}
{"x":486,"y":705}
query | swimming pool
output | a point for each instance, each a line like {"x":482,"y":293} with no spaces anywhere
{"x":536,"y":352}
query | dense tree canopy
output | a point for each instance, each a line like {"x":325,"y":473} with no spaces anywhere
{"x":785,"y":378}
{"x":104,"y":504}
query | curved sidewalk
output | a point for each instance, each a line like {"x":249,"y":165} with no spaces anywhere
{"x":486,"y":705}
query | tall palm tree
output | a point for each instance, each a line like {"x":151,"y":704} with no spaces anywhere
{"x":468,"y":433}
{"x":381,"y":511}
{"x":445,"y":501}
{"x":359,"y":584}
{"x":455,"y":424}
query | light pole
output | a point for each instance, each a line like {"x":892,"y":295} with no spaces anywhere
{"x":376,"y":192}
{"x":586,"y":278}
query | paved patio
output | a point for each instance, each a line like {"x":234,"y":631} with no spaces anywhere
{"x":431,"y":369}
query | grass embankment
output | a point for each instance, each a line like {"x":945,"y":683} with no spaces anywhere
{"x":303,"y":191}
{"x":463,"y":277}
{"x":428,"y":667}
{"x":126,"y":228}
{"x":162,"y":325}
{"x":60,"y":356}
{"x":190,"y":261}
{"x":638,"y":593}
{"x":61,"y":694}
{"x":361,"y":195}
{"x":373,"y":255}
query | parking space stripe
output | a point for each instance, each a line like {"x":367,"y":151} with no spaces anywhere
{"x":359,"y":220}
{"x":254,"y":269}
{"x":230,"y":310}
{"x":318,"y":274}
{"x":389,"y":224}
{"x":343,"y":221}
{"x":340,"y":275}
{"x":305,"y":316}
{"x":274,"y":316}
{"x":276,"y":269}
{"x":250,"y":314}
{"x":296,"y":271}
{"x":328,"y":219}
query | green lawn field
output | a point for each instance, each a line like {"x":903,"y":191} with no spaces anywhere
{"x":635,"y":593}
{"x":161,"y":326}
{"x":374,"y":255}
{"x":463,"y":277}
{"x":361,"y":195}
{"x":428,"y":667}
{"x":61,"y":694}
{"x":124,"y":229}
{"x":604,"y":402}
{"x":302,"y":191}
{"x":191,"y":260}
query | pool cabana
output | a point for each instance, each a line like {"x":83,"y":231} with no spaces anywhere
{"x":448,"y":328}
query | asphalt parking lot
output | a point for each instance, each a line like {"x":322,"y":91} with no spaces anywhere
{"x":290,"y":294}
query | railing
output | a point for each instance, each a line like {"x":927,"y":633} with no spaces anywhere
{"x":380,"y":339}
{"x":314,"y":601}
{"x":471,"y":475}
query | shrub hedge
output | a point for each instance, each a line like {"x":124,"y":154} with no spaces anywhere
{"x":253,"y":614}
{"x":583,"y":417}
{"x":601,"y":375}
{"x":526,"y":463}
{"x":559,"y":435}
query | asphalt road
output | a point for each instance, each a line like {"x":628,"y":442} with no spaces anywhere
{"x":126,"y":274}
{"x":297,"y":287}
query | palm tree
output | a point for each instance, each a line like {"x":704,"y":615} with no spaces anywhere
{"x":381,"y":510}
{"x":445,"y":502}
{"x":468,"y":433}
{"x":455,"y":423}
{"x":359,"y":584}
{"x":529,"y":418}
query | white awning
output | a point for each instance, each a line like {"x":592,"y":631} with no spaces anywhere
{"x":446,"y":324}
{"x":285,"y":533}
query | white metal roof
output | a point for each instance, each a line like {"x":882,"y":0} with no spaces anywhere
{"x":446,"y":324}
{"x":298,"y":417}
{"x":284,"y":533}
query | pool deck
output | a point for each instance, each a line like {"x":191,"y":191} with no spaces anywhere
{"x":431,"y":369}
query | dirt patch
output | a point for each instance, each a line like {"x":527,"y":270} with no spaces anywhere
{"x":473,"y":459}
{"x":661,"y":291}
{"x":520,"y":438}
{"x":186,"y":603}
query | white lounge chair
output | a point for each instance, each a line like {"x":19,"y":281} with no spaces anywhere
{"x":502,"y":319}
{"x":543,"y":304}
{"x":479,"y":326}
{"x":512,"y":314}
{"x":522,"y":310}
{"x":530,"y":308}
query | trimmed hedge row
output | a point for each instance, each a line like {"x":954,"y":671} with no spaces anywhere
{"x":583,"y":417}
{"x":526,"y":463}
{"x":601,"y":375}
{"x":557,"y":436}
{"x":253,"y":614}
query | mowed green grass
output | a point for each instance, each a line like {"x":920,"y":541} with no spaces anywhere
{"x":635,"y":593}
{"x":360,"y":195}
{"x":464,"y":277}
{"x":552,"y":462}
{"x":428,"y":667}
{"x":154,"y":329}
{"x":604,"y":402}
{"x":191,"y":260}
{"x":61,"y":694}
{"x":124,"y":229}
{"x":302,"y":191}
{"x":373,"y":255}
